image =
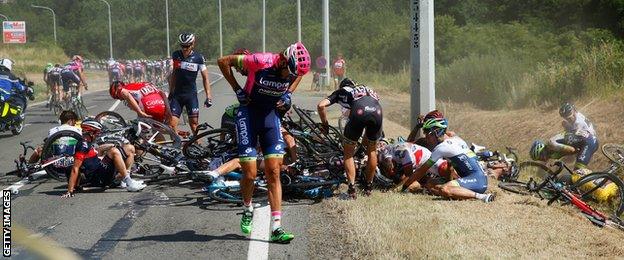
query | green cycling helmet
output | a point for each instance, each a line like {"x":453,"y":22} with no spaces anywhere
{"x":437,"y":125}
{"x":49,"y":65}
{"x":536,"y":150}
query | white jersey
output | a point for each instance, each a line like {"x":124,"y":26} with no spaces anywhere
{"x":581,"y":125}
{"x":459,"y":154}
{"x":405,"y":154}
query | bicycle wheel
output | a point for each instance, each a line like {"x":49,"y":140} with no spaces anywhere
{"x":159,"y":134}
{"x":603,"y":191}
{"x":533,"y":170}
{"x":111,"y":120}
{"x":614,"y":152}
{"x":234,"y":195}
{"x":209,"y":144}
{"x":60,"y":145}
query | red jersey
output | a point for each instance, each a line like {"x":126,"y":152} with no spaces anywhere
{"x":149,"y":99}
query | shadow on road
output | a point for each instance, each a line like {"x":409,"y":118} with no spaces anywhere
{"x":185,"y":236}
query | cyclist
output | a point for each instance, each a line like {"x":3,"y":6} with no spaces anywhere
{"x":115,"y":72}
{"x":415,"y":135}
{"x":76,"y":66}
{"x":399,"y":161}
{"x":144,"y":98}
{"x":139,"y":71}
{"x":68,"y":120}
{"x":339,"y":69}
{"x":270,"y":82}
{"x":365,"y":114}
{"x":47,"y":70}
{"x":579,"y":137}
{"x":54,"y":81}
{"x":68,"y":76}
{"x":129,"y":71}
{"x":182,"y":88}
{"x":472,"y":181}
{"x":99,"y":172}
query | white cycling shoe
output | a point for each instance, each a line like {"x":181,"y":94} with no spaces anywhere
{"x":135,"y":186}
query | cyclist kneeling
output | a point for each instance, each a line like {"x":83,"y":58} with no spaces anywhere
{"x":98,"y":172}
{"x":400,"y":161}
{"x":472,"y":182}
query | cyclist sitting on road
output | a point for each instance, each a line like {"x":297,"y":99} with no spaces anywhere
{"x":579,"y":137}
{"x":99,"y":172}
{"x":271,"y":80}
{"x":144,"y":98}
{"x":415,"y":135}
{"x":182,"y":88}
{"x":399,"y":161}
{"x":365,"y":116}
{"x":68,"y":121}
{"x":472,"y":181}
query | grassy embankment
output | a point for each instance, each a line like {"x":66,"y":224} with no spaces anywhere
{"x":390,"y":225}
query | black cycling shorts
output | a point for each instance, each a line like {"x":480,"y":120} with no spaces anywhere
{"x":228,"y":122}
{"x":366,"y":115}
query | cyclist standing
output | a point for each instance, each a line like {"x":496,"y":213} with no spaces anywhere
{"x":365,"y":114}
{"x":182,"y":88}
{"x":271,"y":79}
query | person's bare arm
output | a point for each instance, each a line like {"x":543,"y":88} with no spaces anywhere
{"x":322,"y":111}
{"x":167,"y":108}
{"x":133,"y":104}
{"x":420,"y":172}
{"x":206,"y":82}
{"x":73,"y":177}
{"x":225,"y":65}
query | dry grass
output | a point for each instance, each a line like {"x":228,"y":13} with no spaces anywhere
{"x":391,"y":225}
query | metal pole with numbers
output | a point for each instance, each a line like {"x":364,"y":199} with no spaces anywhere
{"x":422,"y":59}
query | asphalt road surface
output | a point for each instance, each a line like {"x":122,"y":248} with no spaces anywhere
{"x":161,"y":222}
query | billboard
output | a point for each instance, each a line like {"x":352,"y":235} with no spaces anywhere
{"x":14,"y":32}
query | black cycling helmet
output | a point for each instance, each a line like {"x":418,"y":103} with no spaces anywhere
{"x":566,"y":109}
{"x":347,"y":82}
{"x":186,"y":38}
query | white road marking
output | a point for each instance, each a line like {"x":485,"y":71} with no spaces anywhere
{"x":112,"y":108}
{"x":14,"y":188}
{"x":259,"y":239}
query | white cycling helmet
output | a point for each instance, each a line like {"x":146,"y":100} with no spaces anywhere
{"x":186,"y":38}
{"x":6,"y":63}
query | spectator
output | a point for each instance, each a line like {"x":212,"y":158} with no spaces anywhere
{"x":338,"y":70}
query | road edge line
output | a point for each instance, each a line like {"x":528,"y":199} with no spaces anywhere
{"x":259,"y":239}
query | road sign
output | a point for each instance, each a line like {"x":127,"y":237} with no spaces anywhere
{"x":14,"y":32}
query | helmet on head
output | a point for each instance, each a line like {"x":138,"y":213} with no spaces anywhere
{"x":437,"y":125}
{"x":49,"y":65}
{"x":241,"y":51}
{"x":347,"y":82}
{"x":186,"y":38}
{"x":77,"y":57}
{"x":298,"y":59}
{"x":433,"y":114}
{"x":6,"y":63}
{"x":566,"y":109}
{"x":536,"y":149}
{"x":115,"y":89}
{"x":91,"y":126}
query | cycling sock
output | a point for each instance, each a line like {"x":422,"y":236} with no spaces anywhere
{"x":276,"y":217}
{"x":481,"y":196}
{"x":127,"y":179}
{"x":247,"y":206}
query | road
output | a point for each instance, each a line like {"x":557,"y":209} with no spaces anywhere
{"x":161,"y":222}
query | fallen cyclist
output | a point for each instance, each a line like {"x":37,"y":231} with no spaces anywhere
{"x":88,"y":167}
{"x":472,"y":182}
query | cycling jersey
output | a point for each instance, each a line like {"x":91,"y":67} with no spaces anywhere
{"x":186,"y":70}
{"x":365,"y":112}
{"x":98,"y":172}
{"x":406,"y":154}
{"x":581,"y":126}
{"x":75,"y":66}
{"x":464,"y":161}
{"x":54,"y":76}
{"x":68,"y":76}
{"x":149,"y":99}
{"x":585,"y":146}
{"x":264,"y":84}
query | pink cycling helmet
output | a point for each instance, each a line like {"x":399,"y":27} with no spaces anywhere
{"x":298,"y":59}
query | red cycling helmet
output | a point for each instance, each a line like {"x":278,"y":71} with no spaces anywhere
{"x":115,"y":89}
{"x":433,"y":114}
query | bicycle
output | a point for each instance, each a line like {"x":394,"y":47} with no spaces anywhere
{"x":581,"y":194}
{"x":74,"y":102}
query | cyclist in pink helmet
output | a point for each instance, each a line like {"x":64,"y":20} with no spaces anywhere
{"x":271,"y":79}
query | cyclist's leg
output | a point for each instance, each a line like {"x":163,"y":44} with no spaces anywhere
{"x":586,"y":153}
{"x":192,"y":109}
{"x":373,"y":134}
{"x":468,"y":187}
{"x":176,"y":111}
{"x":247,"y":155}
{"x":352,"y":132}
{"x":558,"y":148}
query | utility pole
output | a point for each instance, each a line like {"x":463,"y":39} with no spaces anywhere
{"x":298,"y":20}
{"x":110,"y":29}
{"x":220,"y":32}
{"x":326,"y":41}
{"x":167,"y":19}
{"x":263,"y":25}
{"x":422,"y":59}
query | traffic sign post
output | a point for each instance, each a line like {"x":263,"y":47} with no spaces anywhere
{"x":14,"y":32}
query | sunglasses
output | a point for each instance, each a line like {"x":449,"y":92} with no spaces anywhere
{"x":185,"y":46}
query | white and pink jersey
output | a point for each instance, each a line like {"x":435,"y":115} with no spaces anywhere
{"x":405,"y":154}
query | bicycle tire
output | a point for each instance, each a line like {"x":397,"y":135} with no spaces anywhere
{"x":209,"y":143}
{"x":57,"y":173}
{"x":227,"y":195}
{"x":613,"y":203}
{"x":532,"y":170}
{"x":614,"y":152}
{"x":111,"y":120}
{"x":165,"y":133}
{"x":515,"y":187}
{"x":83,"y":109}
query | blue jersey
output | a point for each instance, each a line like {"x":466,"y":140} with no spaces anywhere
{"x":459,"y":154}
{"x":186,"y":70}
{"x":264,"y":83}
